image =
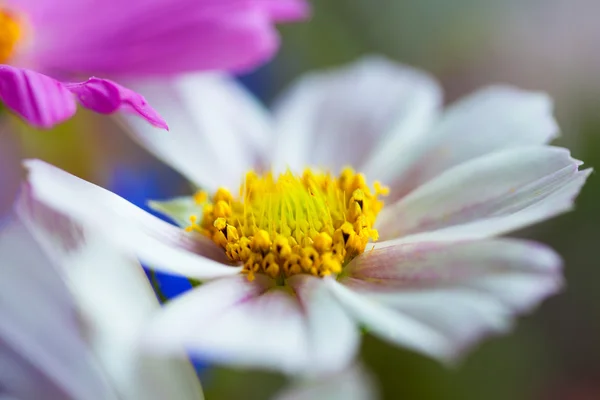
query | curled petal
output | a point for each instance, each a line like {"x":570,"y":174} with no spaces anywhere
{"x":44,"y":102}
{"x":40,"y":100}
{"x":106,"y":97}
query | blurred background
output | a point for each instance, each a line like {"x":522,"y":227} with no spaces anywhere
{"x":549,"y":45}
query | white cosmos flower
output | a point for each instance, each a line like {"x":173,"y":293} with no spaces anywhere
{"x":435,"y":281}
{"x":72,"y":311}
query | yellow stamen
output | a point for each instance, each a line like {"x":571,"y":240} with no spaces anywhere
{"x":10,"y":34}
{"x":312,"y":224}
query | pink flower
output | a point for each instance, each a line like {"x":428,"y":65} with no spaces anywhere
{"x":72,"y":38}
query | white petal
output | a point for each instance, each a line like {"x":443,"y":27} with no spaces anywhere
{"x":336,"y":118}
{"x":115,"y":302}
{"x":455,"y":292}
{"x":217,"y":129}
{"x":350,"y":384}
{"x":557,"y":203}
{"x":42,"y":350}
{"x":157,"y":243}
{"x":389,"y":325}
{"x":235,"y":322}
{"x":333,"y":337}
{"x":179,"y":209}
{"x":492,"y":119}
{"x":497,"y":185}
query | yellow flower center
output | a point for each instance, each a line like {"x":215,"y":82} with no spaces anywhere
{"x":10,"y":34}
{"x":287,"y":225}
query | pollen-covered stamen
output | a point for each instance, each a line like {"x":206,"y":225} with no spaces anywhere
{"x":312,"y":224}
{"x":10,"y":34}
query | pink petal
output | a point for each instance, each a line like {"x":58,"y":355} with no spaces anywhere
{"x":157,"y":37}
{"x":106,"y":97}
{"x":42,"y":101}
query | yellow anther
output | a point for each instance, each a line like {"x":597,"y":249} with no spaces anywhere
{"x":281,"y":247}
{"x":193,"y":224}
{"x":220,"y":223}
{"x":330,"y":264}
{"x":10,"y":34}
{"x":200,"y":197}
{"x":346,"y":178}
{"x":270,"y":266}
{"x":345,"y":233}
{"x":323,"y":242}
{"x":338,"y":250}
{"x":222,"y":209}
{"x":358,"y":196}
{"x":360,"y":183}
{"x":220,"y":238}
{"x":381,"y":189}
{"x":354,"y":210}
{"x":291,"y":266}
{"x":231,"y":234}
{"x":281,"y":226}
{"x":207,"y":211}
{"x":309,"y":258}
{"x":222,"y":195}
{"x":261,"y":241}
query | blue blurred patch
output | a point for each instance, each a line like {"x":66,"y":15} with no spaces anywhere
{"x":139,"y":186}
{"x":258,"y":82}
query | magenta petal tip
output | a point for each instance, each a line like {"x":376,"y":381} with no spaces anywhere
{"x":106,"y":97}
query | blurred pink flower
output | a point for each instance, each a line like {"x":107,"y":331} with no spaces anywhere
{"x":71,"y":38}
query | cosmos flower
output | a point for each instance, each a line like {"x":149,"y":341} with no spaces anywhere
{"x":72,"y":315}
{"x":358,"y":203}
{"x":45,"y":42}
